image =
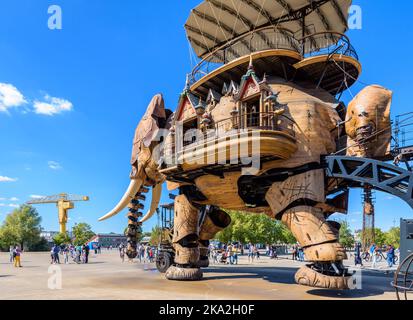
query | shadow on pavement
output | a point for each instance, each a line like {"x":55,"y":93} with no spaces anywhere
{"x":274,"y":275}
{"x":373,"y":283}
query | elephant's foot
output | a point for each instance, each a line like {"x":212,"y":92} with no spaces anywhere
{"x":324,"y":276}
{"x":178,"y":273}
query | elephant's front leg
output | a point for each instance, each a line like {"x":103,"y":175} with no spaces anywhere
{"x":295,"y":202}
{"x":185,"y":242}
{"x":320,"y":242}
{"x":215,"y":221}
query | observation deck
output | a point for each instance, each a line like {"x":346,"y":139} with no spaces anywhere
{"x":325,"y":60}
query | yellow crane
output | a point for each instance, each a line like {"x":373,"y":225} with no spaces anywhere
{"x":64,"y":203}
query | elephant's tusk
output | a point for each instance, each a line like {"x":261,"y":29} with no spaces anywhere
{"x":156,"y":198}
{"x":133,"y":189}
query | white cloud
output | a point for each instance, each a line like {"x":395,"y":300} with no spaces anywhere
{"x":54,"y":165}
{"x":52,"y":106}
{"x":10,"y":97}
{"x":11,"y":205}
{"x":35,"y":196}
{"x":14,"y":199}
{"x":7,"y":179}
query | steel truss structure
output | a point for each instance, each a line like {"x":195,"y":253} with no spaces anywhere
{"x":378,"y":174}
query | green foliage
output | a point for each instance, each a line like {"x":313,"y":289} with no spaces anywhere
{"x":21,"y":227}
{"x":380,"y":237}
{"x":62,"y":238}
{"x":256,"y":229}
{"x":41,"y":246}
{"x":346,"y":236}
{"x":155,"y":236}
{"x":393,"y":237}
{"x":82,"y":233}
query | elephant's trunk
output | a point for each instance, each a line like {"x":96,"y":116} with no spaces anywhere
{"x":133,"y":189}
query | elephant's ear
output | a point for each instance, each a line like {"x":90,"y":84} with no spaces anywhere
{"x":148,"y":128}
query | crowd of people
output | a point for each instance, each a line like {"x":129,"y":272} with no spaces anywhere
{"x":146,"y":253}
{"x":79,"y":254}
{"x":298,"y":253}
{"x":228,"y":254}
{"x":223,"y":254}
{"x":373,"y":253}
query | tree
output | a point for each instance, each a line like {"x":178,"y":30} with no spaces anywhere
{"x":155,"y":236}
{"x":82,"y":233}
{"x":393,"y":237}
{"x":380,"y":237}
{"x":21,"y":227}
{"x":41,"y":246}
{"x":346,"y":236}
{"x":62,"y":238}
{"x":257,"y":228}
{"x":287,"y":235}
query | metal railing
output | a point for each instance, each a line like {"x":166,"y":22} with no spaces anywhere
{"x":327,"y":43}
{"x":269,"y":38}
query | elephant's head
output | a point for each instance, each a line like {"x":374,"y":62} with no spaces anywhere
{"x":145,"y":159}
{"x":368,"y":122}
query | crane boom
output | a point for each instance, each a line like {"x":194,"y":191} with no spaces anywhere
{"x":64,"y":203}
{"x":59,"y":197}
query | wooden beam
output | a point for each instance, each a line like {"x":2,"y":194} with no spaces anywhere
{"x":214,"y":21}
{"x":209,"y":37}
{"x":236,"y":14}
{"x":339,"y":13}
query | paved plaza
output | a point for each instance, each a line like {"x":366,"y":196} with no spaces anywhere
{"x":106,"y":277}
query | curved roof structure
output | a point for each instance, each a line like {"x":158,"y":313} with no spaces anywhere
{"x":216,"y":23}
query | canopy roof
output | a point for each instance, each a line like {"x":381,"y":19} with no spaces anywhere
{"x":215,"y":23}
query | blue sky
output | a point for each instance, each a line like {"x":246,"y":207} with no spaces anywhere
{"x":84,"y":89}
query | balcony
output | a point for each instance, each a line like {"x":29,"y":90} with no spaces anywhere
{"x":264,"y":135}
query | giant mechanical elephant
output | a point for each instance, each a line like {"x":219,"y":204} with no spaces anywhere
{"x":197,"y":220}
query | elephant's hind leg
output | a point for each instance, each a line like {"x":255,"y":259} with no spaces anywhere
{"x":294,"y":202}
{"x":185,"y":242}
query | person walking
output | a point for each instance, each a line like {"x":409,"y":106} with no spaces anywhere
{"x":235,"y":254}
{"x":11,"y":252}
{"x":215,"y":255}
{"x":66,"y":254}
{"x":250,"y":253}
{"x":295,"y":252}
{"x":390,"y":256}
{"x":17,"y":257}
{"x":229,"y":254}
{"x":122,"y":253}
{"x":56,"y":251}
{"x":372,"y":249}
{"x":87,"y":252}
{"x":357,"y":255}
{"x":256,"y":253}
{"x":374,"y":257}
{"x":141,"y":253}
{"x":300,"y":254}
